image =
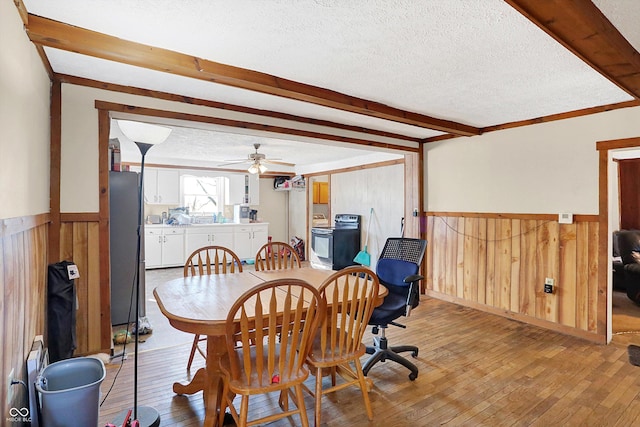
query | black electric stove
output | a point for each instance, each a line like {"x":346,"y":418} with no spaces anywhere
{"x":334,"y":248}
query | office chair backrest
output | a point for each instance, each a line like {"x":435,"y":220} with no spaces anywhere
{"x":399,"y":260}
{"x":404,"y":249}
{"x":393,"y":272}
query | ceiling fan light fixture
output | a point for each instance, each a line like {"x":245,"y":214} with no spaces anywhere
{"x":257,"y":167}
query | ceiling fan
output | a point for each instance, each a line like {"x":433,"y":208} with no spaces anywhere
{"x":257,"y":161}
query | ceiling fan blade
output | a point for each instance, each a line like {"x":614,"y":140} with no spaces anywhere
{"x":234,"y":162}
{"x":275,"y":162}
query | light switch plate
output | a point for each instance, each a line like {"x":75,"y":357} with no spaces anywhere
{"x":565,"y":218}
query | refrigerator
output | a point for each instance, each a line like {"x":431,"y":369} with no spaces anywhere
{"x":123,"y":235}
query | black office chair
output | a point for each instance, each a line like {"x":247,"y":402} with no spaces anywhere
{"x":397,"y":270}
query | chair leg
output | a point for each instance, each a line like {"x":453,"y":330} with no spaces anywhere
{"x":244,"y":411}
{"x":283,"y":400}
{"x":225,"y":404}
{"x":364,"y":389}
{"x":403,"y":348}
{"x":318,"y":396}
{"x":380,"y":353}
{"x":301,"y":407}
{"x":194,"y":347}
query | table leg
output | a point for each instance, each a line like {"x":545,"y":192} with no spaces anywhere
{"x":208,"y":380}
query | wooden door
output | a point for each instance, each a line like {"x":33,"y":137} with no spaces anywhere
{"x":629,"y":180}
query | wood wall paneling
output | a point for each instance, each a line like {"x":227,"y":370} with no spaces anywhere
{"x":499,"y":263}
{"x":23,"y":271}
{"x":80,"y":243}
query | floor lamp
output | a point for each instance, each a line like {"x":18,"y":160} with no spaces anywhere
{"x":145,"y":136}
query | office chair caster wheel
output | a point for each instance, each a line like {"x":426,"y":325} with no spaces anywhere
{"x":413,"y":376}
{"x":414,"y":354}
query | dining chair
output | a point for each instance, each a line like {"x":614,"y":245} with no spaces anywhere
{"x":269,"y":330}
{"x":276,"y":256}
{"x":206,"y":261}
{"x":351,"y":296}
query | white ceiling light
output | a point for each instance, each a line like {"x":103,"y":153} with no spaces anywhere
{"x":257,"y":167}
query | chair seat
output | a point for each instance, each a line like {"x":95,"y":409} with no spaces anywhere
{"x":260,"y":384}
{"x":394,"y":306}
{"x":332,"y":357}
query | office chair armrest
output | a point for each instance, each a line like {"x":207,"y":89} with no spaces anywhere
{"x":412,"y":278}
{"x":413,"y":297}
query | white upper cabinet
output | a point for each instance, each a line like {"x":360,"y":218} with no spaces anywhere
{"x":241,"y":185}
{"x":162,"y":186}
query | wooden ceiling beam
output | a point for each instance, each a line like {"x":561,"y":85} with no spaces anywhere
{"x":66,"y":37}
{"x":277,"y":130}
{"x":80,"y":81}
{"x":582,"y":28}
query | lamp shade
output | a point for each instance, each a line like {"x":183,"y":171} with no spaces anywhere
{"x":144,"y":132}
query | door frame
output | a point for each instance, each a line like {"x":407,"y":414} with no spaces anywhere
{"x":605,"y":283}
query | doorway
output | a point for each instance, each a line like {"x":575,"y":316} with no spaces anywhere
{"x":625,"y":321}
{"x":623,"y":316}
{"x":319,"y":197}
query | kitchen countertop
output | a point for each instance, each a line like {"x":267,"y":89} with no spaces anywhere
{"x":202,"y":225}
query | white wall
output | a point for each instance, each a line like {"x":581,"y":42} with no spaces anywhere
{"x":79,"y":177}
{"x":544,"y":168}
{"x":298,"y":215}
{"x":273,"y":209}
{"x":24,"y":120}
{"x":382,"y":189}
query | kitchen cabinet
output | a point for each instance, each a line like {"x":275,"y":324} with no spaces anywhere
{"x":198,"y":236}
{"x":162,"y":186}
{"x":244,"y":185}
{"x":249,"y":238}
{"x":170,"y":246}
{"x":320,"y":193}
{"x":152,"y":247}
{"x":164,"y":247}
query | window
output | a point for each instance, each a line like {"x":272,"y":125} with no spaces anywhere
{"x":202,"y":194}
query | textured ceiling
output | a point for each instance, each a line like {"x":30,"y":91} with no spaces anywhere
{"x":476,"y":62}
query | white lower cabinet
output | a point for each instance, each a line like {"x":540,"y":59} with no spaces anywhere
{"x":153,"y":247}
{"x":173,"y":247}
{"x":249,"y":238}
{"x":164,"y":247}
{"x":216,"y":235}
{"x":167,"y":246}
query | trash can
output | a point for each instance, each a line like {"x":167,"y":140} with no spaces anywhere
{"x":69,"y":392}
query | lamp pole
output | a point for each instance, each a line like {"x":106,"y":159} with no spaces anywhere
{"x":145,"y":416}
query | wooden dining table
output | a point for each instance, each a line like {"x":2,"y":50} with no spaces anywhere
{"x":200,"y":304}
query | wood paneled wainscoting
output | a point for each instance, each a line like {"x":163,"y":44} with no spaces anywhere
{"x":80,"y":243}
{"x":23,"y":273}
{"x":499,"y":262}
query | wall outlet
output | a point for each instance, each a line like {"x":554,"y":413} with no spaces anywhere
{"x":548,"y":285}
{"x":9,"y":388}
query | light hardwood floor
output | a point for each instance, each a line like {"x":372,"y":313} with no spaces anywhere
{"x":476,"y":369}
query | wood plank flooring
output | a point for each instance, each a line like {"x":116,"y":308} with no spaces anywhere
{"x":475,"y":369}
